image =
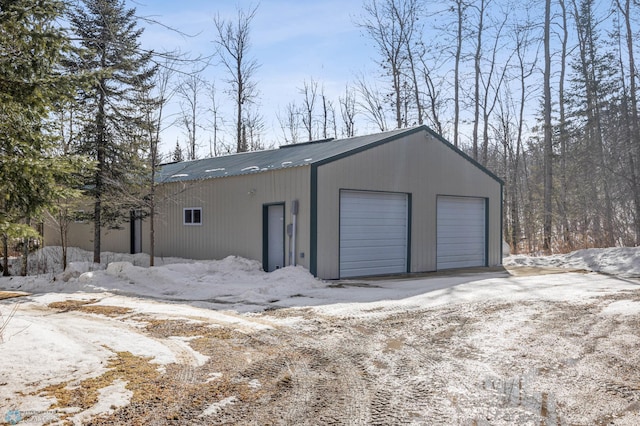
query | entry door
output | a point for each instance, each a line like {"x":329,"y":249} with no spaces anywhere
{"x":274,"y":237}
{"x":136,"y":231}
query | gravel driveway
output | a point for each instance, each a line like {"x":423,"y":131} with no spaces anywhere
{"x":526,"y":360}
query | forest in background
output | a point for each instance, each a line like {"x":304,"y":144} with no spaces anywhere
{"x":543,"y":95}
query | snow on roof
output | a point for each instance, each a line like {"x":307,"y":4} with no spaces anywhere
{"x":296,"y":155}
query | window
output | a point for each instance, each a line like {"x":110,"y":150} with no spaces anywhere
{"x":193,"y":216}
{"x":80,"y":217}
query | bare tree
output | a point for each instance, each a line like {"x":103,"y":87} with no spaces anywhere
{"x":290,"y":123}
{"x":548,"y":142}
{"x":216,"y":120}
{"x":348,"y":111}
{"x":491,"y":81}
{"x":153,"y":115}
{"x":563,"y":132}
{"x":189,"y":92}
{"x":433,"y":93}
{"x":371,"y":104}
{"x":309,"y":91}
{"x":526,"y":54}
{"x":460,"y":8}
{"x":481,"y":8}
{"x":253,"y":129}
{"x":389,"y":24}
{"x":327,"y":107}
{"x":233,"y":50}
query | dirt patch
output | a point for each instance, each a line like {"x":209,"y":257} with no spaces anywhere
{"x":12,"y":294}
{"x":88,"y":306}
{"x":524,"y":271}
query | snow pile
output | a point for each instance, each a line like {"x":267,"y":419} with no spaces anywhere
{"x":622,"y":261}
{"x":232,"y":280}
{"x":48,"y":260}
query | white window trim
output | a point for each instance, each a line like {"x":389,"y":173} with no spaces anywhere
{"x":192,"y":210}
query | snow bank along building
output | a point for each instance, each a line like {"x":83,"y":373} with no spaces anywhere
{"x":396,"y":202}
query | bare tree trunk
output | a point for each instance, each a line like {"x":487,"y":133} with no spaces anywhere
{"x":348,"y":111}
{"x":325,"y":115}
{"x":477,"y":75}
{"x":416,"y":88}
{"x":564,"y":136}
{"x":24,"y":262}
{"x":460,"y":8}
{"x":63,"y":227}
{"x":309,"y":91}
{"x":548,"y":143}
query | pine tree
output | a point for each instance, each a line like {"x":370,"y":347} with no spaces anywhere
{"x":177,"y":155}
{"x":113,"y":127}
{"x":31,"y":176}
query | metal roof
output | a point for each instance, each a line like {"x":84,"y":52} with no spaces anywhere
{"x":286,"y":156}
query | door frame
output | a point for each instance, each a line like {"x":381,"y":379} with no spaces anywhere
{"x":265,"y":234}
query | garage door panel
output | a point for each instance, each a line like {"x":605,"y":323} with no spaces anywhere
{"x":373,"y":233}
{"x":366,"y":271}
{"x":461,"y":232}
{"x":374,"y":253}
{"x":357,"y":244}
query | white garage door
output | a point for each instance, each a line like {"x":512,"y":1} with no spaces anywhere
{"x":373,"y":233}
{"x":461,"y":232}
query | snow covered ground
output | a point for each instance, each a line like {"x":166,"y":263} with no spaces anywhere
{"x":241,"y":285}
{"x":73,"y":322}
{"x":620,"y":261}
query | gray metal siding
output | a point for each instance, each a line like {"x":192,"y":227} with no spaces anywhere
{"x":231,"y":215}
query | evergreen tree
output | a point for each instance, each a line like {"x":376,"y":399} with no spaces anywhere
{"x":592,"y":96}
{"x":177,"y":155}
{"x":113,"y":127}
{"x":31,"y":176}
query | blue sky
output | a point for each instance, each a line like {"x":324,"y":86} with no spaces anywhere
{"x":293,"y":41}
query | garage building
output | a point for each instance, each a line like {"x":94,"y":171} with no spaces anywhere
{"x":396,"y":202}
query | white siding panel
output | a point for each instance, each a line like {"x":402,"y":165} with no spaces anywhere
{"x":373,"y":233}
{"x":461,"y":232}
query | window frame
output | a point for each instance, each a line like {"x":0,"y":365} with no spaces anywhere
{"x":192,"y":210}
